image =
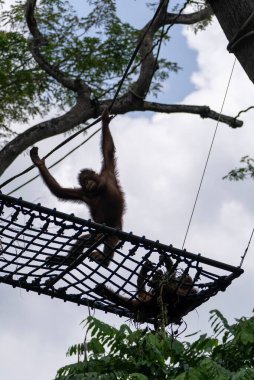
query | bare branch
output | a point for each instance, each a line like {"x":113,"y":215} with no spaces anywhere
{"x":39,"y":40}
{"x":203,"y":111}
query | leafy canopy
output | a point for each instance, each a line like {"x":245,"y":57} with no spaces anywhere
{"x":145,"y":355}
{"x":95,"y":47}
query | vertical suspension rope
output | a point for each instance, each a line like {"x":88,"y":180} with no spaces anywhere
{"x":208,"y":156}
{"x":246,"y":249}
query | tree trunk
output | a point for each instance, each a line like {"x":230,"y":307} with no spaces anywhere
{"x":232,"y":15}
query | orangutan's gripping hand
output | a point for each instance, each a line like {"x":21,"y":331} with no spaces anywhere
{"x":35,"y":157}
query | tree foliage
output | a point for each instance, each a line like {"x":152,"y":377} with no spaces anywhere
{"x":125,"y":354}
{"x":243,"y":172}
{"x":96,"y":48}
{"x":56,"y":59}
{"x":22,"y":86}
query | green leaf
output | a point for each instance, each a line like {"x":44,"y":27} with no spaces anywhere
{"x":96,"y":347}
{"x":137,"y":376}
{"x":244,"y":374}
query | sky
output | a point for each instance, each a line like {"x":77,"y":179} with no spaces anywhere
{"x":160,"y":161}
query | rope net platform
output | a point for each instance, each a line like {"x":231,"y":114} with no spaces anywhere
{"x":144,"y":280}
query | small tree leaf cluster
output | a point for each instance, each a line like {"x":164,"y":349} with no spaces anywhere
{"x":244,"y":172}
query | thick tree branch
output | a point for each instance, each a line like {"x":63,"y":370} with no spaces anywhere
{"x":148,"y":62}
{"x":190,"y":18}
{"x":38,"y":40}
{"x":149,"y":65}
{"x":80,"y":113}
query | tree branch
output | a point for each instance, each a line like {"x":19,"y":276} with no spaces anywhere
{"x":148,"y":62}
{"x":39,"y":40}
{"x":190,"y":18}
{"x":78,"y":114}
{"x":149,"y":65}
{"x":84,"y":109}
{"x":203,"y":111}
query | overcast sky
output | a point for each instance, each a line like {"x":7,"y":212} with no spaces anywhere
{"x":160,"y":160}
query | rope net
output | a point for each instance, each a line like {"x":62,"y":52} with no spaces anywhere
{"x":146,"y":280}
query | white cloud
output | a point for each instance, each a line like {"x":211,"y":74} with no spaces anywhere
{"x":160,"y":163}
